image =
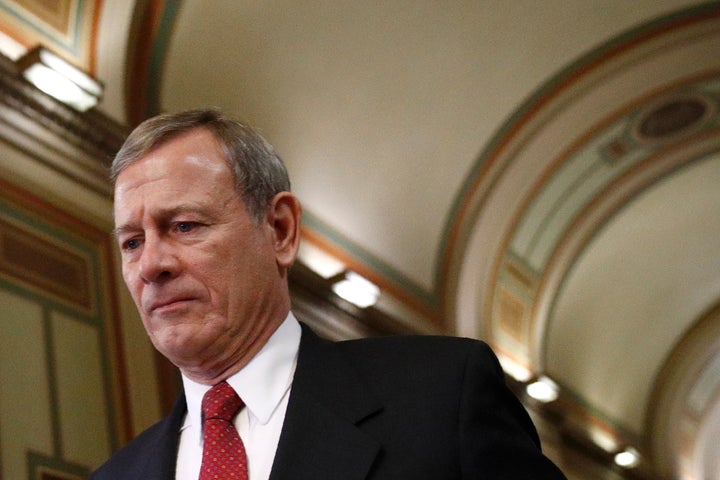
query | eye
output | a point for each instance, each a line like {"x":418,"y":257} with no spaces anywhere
{"x":184,"y":227}
{"x":131,"y":244}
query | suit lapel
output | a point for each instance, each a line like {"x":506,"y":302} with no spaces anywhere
{"x":320,"y":437}
{"x":161,"y":459}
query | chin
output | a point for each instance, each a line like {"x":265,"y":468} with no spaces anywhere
{"x":178,"y":343}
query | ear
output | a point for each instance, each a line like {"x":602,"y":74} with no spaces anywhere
{"x":284,"y":220}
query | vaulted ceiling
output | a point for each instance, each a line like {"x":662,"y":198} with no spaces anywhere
{"x":544,"y":176}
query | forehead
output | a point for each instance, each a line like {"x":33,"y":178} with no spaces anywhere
{"x":191,"y":165}
{"x":196,"y":153}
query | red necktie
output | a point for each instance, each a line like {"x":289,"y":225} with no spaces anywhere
{"x":223,"y":451}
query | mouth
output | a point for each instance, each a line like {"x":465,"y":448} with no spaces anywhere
{"x":166,"y":306}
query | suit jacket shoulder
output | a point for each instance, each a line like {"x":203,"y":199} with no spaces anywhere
{"x":151,"y":455}
{"x":405,"y":407}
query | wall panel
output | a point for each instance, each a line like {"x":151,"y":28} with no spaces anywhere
{"x":61,"y":404}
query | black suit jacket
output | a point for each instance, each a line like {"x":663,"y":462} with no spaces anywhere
{"x":390,"y":408}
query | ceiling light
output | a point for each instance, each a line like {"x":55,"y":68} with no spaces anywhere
{"x":319,"y":261}
{"x":628,"y":458}
{"x":516,"y":370}
{"x":603,"y":439}
{"x":59,"y":79}
{"x":543,"y":390}
{"x":10,"y":47}
{"x":356,"y":290}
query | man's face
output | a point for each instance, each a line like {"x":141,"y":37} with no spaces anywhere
{"x":202,"y":274}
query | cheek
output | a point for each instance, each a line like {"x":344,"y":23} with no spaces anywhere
{"x":224,"y":281}
{"x":133,"y":285}
{"x":127,"y":278}
{"x":231,"y":279}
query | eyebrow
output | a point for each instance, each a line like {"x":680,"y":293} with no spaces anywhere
{"x":164,"y":214}
{"x":117,"y":231}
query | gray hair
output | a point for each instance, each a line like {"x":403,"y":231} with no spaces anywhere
{"x":258,"y":172}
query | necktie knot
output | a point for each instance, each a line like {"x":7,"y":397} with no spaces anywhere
{"x":224,"y":454}
{"x":221,"y":402}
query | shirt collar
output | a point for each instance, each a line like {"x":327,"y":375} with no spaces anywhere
{"x":262,"y":383}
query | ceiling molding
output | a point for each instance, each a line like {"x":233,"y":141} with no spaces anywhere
{"x":470,"y":222}
{"x":77,"y":145}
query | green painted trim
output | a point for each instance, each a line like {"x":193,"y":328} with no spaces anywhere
{"x":49,"y":304}
{"x":77,"y":31}
{"x":49,"y":307}
{"x":389,"y":273}
{"x":159,"y":51}
{"x":44,"y":301}
{"x":637,"y":153}
{"x":89,"y":250}
{"x":557,"y":205}
{"x":105,"y":363}
{"x":74,"y":43}
{"x":703,"y":157}
{"x":36,"y":222}
{"x":466,"y":190}
{"x":37,"y":461}
{"x":50,"y":355}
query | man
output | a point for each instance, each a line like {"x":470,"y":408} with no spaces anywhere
{"x":208,"y":229}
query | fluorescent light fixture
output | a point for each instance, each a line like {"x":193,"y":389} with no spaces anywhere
{"x":10,"y":47}
{"x":516,"y":370}
{"x":357,"y":290}
{"x":319,"y":261}
{"x":543,"y":390}
{"x":59,"y":79}
{"x":628,"y":458}
{"x":603,"y":439}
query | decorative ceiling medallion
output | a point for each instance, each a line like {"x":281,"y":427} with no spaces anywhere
{"x":673,"y":117}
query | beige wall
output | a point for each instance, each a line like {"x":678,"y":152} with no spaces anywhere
{"x":77,"y":375}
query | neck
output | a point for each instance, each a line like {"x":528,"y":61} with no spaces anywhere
{"x":229,"y":363}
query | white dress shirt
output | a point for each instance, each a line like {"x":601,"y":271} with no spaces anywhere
{"x":264,"y":386}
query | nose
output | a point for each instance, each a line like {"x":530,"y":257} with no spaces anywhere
{"x":158,"y":260}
